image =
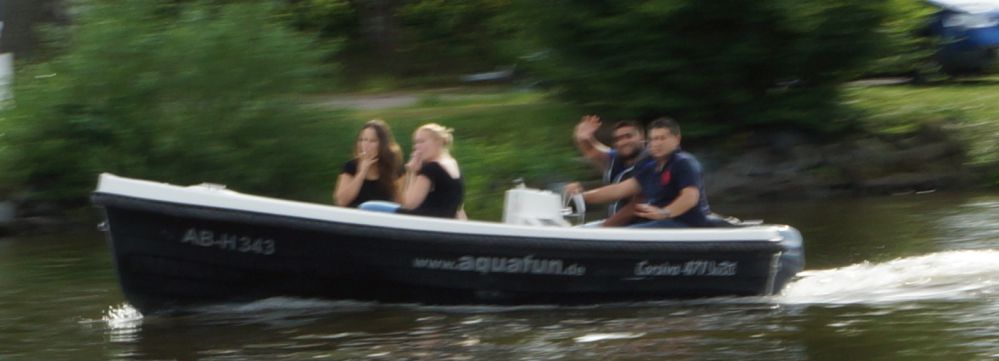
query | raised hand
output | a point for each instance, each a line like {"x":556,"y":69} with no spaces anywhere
{"x":587,"y":126}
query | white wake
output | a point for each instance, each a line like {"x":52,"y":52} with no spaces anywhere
{"x":944,"y":276}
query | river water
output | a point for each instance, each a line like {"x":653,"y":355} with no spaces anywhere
{"x":891,"y":278}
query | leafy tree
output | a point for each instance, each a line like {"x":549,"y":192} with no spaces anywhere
{"x":907,"y":47}
{"x":174,"y":92}
{"x":723,"y":64}
{"x":21,"y":18}
{"x":448,"y":36}
{"x":335,"y":19}
{"x":413,"y":39}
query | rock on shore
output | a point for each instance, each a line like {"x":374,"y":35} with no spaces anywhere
{"x":788,"y":166}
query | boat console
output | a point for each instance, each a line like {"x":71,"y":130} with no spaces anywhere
{"x":535,"y":207}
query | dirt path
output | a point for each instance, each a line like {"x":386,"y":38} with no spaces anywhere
{"x":368,"y":102}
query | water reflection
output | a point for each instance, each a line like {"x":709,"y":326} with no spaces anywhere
{"x":674,"y":331}
{"x":754,"y":329}
{"x":850,"y":231}
{"x":925,"y":307}
{"x":973,"y":224}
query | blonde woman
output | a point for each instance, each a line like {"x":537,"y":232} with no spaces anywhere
{"x":374,"y":172}
{"x":433,"y":185}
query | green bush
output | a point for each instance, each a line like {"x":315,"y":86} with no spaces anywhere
{"x":329,"y":18}
{"x":906,"y":48}
{"x":733,"y":64}
{"x":419,"y":42}
{"x":178,"y":93}
{"x":453,"y":36}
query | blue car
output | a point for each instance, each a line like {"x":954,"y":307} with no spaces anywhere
{"x":969,"y":34}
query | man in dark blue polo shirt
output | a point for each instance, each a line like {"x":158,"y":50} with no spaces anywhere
{"x":669,"y":182}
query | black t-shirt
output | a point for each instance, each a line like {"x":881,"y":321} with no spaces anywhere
{"x":370,"y":189}
{"x":446,"y":193}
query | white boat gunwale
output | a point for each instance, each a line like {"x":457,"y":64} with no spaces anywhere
{"x":215,"y":197}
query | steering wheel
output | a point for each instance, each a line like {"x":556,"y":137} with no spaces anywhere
{"x":573,"y":206}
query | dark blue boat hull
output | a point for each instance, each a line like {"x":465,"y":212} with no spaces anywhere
{"x":170,"y":256}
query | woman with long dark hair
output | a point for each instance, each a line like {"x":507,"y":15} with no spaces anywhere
{"x":374,"y":171}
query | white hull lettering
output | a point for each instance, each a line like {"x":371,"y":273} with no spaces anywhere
{"x":485,"y":265}
{"x":689,"y":268}
{"x":229,"y":242}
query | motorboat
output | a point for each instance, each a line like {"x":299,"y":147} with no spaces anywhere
{"x":180,"y":246}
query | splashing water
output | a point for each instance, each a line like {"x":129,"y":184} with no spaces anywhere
{"x":945,"y":276}
{"x":121,"y":317}
{"x":124,"y":323}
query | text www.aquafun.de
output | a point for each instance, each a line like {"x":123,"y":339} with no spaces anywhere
{"x":484,"y":265}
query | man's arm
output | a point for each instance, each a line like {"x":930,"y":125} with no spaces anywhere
{"x":623,"y":216}
{"x":613,"y":192}
{"x":591,"y":148}
{"x":688,"y":198}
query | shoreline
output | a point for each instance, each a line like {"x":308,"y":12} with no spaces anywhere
{"x":787,"y":166}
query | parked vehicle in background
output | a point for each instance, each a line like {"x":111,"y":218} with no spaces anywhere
{"x":969,"y":34}
{"x":6,"y":71}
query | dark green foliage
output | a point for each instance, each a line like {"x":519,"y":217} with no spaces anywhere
{"x":731,"y":64}
{"x":178,"y":93}
{"x":335,"y":19}
{"x":906,"y":48}
{"x":421,"y":41}
{"x":452,"y":36}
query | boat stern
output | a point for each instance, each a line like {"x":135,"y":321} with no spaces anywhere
{"x":791,"y":259}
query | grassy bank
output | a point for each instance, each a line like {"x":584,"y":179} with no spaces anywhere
{"x":971,"y":107}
